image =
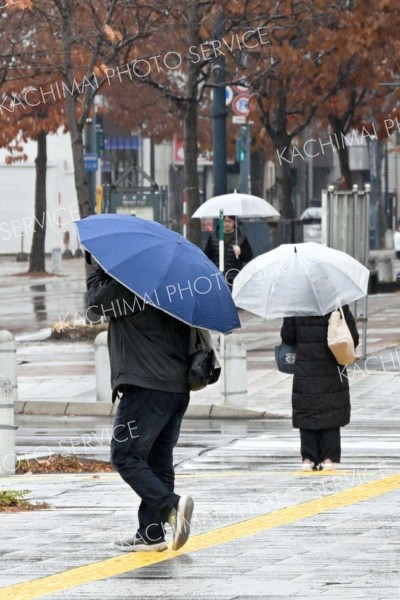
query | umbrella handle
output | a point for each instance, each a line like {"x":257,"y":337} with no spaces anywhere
{"x":236,"y":236}
{"x":221,"y":243}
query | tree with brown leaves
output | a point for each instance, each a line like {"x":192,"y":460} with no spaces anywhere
{"x":70,"y":43}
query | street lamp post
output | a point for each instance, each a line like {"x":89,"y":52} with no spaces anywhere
{"x":219,"y":113}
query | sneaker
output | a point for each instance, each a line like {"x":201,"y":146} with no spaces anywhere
{"x":179,"y":521}
{"x":308,"y":465}
{"x":138,"y":544}
{"x":327,"y":465}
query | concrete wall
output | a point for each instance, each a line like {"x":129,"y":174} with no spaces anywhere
{"x":17,"y":184}
{"x":163,"y":158}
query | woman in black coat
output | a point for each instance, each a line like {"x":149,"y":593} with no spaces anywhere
{"x":320,"y":394}
{"x":237,"y":249}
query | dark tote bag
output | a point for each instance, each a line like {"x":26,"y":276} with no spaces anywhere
{"x":285,"y":357}
{"x":203,"y":367}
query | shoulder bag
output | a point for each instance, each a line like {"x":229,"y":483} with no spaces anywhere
{"x":285,"y":357}
{"x":340,"y":340}
{"x":204,"y":366}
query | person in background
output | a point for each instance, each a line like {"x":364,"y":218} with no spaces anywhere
{"x":236,"y":254}
{"x":320,"y":393}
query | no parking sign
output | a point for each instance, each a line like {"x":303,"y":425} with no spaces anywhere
{"x":240,"y":105}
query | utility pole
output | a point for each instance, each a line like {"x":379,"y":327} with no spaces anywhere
{"x":219,"y":113}
{"x":373,"y":165}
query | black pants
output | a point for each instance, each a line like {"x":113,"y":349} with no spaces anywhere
{"x":320,"y":444}
{"x":146,"y":430}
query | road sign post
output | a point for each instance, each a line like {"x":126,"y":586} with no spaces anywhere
{"x":240,"y":106}
{"x":91,"y":162}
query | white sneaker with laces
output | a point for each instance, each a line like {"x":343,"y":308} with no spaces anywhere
{"x":138,"y":544}
{"x":179,"y":521}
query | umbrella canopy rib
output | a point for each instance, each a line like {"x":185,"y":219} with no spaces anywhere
{"x":311,"y":281}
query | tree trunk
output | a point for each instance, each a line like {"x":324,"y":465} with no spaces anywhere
{"x":37,"y":256}
{"x":257,"y":166}
{"x":191,"y":178}
{"x":343,"y":151}
{"x":344,"y":162}
{"x":81,"y":182}
{"x":190,"y":116}
{"x":282,"y":141}
{"x":75,"y":129}
{"x":175,"y":186}
{"x":284,"y":184}
{"x":303,"y":190}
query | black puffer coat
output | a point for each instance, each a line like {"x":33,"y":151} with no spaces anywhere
{"x":320,"y":395}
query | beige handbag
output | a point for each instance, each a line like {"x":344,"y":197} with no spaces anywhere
{"x":340,"y":340}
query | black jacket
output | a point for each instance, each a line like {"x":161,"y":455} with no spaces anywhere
{"x":231,"y":264}
{"x":320,"y":395}
{"x":147,"y":347}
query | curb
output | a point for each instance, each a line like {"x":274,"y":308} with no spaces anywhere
{"x":103,"y":409}
{"x":67,"y":409}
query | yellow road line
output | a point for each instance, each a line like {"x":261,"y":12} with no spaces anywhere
{"x":263,"y":473}
{"x":333,"y":473}
{"x":123,"y":564}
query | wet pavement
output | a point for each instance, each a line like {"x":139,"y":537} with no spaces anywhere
{"x":32,"y":304}
{"x":261,"y":529}
{"x":89,"y":437}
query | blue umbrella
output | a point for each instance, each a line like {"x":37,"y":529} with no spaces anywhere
{"x":162,"y":268}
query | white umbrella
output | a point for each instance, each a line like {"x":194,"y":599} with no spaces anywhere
{"x":299,"y":280}
{"x":238,"y":205}
{"x":312,"y":212}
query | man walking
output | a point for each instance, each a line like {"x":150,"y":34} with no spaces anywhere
{"x":149,"y":355}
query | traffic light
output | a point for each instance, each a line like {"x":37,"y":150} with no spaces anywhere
{"x":241,"y":145}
